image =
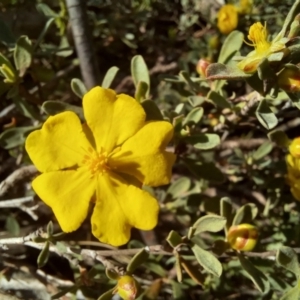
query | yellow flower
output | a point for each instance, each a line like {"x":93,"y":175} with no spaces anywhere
{"x":262,"y":47}
{"x":289,"y":79}
{"x":227,"y":18}
{"x":102,"y":162}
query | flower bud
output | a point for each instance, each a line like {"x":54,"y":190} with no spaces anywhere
{"x":8,"y":73}
{"x":289,"y":79}
{"x":202,"y":66}
{"x":294,"y":147}
{"x":242,"y":237}
{"x":127,"y":287}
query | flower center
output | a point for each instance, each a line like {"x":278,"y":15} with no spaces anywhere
{"x":258,"y":36}
{"x":96,"y":162}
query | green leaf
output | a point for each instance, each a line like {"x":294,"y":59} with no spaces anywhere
{"x":52,"y":108}
{"x":6,"y":36}
{"x":137,"y":260}
{"x":256,"y":83}
{"x":5,"y":61}
{"x":50,"y":228}
{"x":194,"y":116}
{"x":226,"y":211}
{"x":245,"y":214}
{"x":14,"y":137}
{"x":211,"y":223}
{"x":196,"y":100}
{"x":207,"y":260}
{"x":193,"y":271}
{"x":141,"y":91}
{"x":43,"y":256}
{"x":186,"y":78}
{"x":12,"y":226}
{"x":109,"y":77}
{"x":292,"y":294}
{"x":287,"y":258}
{"x":263,"y":150}
{"x":140,"y":72}
{"x":111,"y":274}
{"x":203,"y":141}
{"x":46,"y":10}
{"x":265,"y":115}
{"x":219,"y":71}
{"x":28,"y":110}
{"x":178,"y":267}
{"x":71,"y":289}
{"x":78,"y":87}
{"x":257,"y":277}
{"x":23,"y":54}
{"x":218,"y":100}
{"x":295,"y":9}
{"x":44,"y":32}
{"x":177,"y":291}
{"x":279,"y":138}
{"x":174,"y":239}
{"x":231,"y":45}
{"x":179,"y":187}
{"x":207,"y":171}
{"x":152,"y":111}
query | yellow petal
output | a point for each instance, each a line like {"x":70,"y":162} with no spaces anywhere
{"x":144,"y":155}
{"x":59,"y":144}
{"x":120,"y":206}
{"x":68,"y":193}
{"x":112,"y":118}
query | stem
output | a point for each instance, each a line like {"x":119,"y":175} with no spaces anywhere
{"x":83,"y":42}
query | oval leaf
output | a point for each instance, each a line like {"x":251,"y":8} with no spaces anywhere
{"x":194,"y":116}
{"x":265,"y":115}
{"x":109,"y":77}
{"x":287,"y":258}
{"x":137,"y":260}
{"x":211,"y":223}
{"x":78,"y":87}
{"x":245,"y":214}
{"x":23,"y":54}
{"x":203,"y":141}
{"x":258,"y":277}
{"x":263,"y":150}
{"x":140,"y":72}
{"x":292,"y":294}
{"x":207,"y":260}
{"x":179,"y":187}
{"x":44,"y":255}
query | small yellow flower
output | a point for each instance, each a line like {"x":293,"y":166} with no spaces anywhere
{"x":258,"y":35}
{"x":127,"y":287}
{"x":227,"y":18}
{"x":103,"y":162}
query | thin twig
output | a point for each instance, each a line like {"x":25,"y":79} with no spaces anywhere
{"x":19,"y":174}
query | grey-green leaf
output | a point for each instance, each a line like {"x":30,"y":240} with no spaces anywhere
{"x":109,"y":77}
{"x":231,"y":45}
{"x":265,"y":115}
{"x":137,"y":260}
{"x":287,"y":258}
{"x":52,"y":108}
{"x":44,"y":255}
{"x":257,"y":276}
{"x":207,"y":260}
{"x":280,"y":138}
{"x":245,"y":214}
{"x":179,"y":187}
{"x":140,"y":72}
{"x":226,"y":211}
{"x":218,"y":100}
{"x":141,"y":91}
{"x":211,"y":223}
{"x":23,"y":54}
{"x":174,"y":239}
{"x":203,"y":141}
{"x":152,"y":111}
{"x":292,"y":294}
{"x":78,"y":87}
{"x":194,"y":116}
{"x":263,"y":150}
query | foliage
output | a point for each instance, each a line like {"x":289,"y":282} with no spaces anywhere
{"x":228,"y":225}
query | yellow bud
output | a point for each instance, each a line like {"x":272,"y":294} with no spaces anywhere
{"x":289,"y":79}
{"x":295,"y":147}
{"x":9,"y":74}
{"x":202,"y":66}
{"x":242,"y":237}
{"x":214,"y":42}
{"x":127,"y":287}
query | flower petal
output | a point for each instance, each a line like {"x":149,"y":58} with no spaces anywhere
{"x":144,"y":155}
{"x":120,"y":206}
{"x":112,"y":118}
{"x":59,"y":144}
{"x":68,"y":193}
